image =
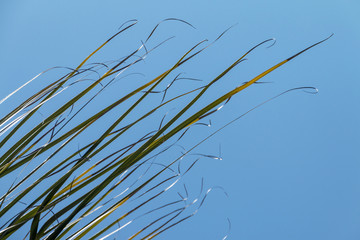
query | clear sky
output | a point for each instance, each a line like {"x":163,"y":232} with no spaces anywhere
{"x":291,"y":168}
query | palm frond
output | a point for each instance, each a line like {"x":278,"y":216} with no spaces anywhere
{"x":69,"y":191}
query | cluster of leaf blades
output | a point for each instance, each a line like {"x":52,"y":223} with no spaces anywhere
{"x":45,"y":216}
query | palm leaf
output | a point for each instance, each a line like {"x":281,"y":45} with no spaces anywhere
{"x":78,"y":192}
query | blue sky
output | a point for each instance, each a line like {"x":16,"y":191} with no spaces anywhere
{"x":290,"y":168}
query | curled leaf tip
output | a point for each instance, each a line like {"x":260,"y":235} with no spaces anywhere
{"x":274,"y":42}
{"x":134,"y":21}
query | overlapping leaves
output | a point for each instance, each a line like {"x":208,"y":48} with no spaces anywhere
{"x":68,"y":194}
